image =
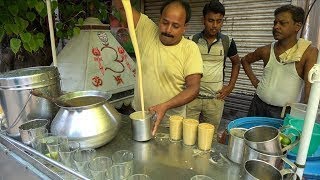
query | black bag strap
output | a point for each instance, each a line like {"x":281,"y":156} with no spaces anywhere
{"x":224,"y":38}
{"x":226,"y":44}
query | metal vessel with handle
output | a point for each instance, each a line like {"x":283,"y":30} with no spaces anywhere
{"x":17,"y":101}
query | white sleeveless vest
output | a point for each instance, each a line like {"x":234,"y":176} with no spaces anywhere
{"x":280,"y":83}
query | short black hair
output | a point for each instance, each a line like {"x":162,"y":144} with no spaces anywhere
{"x":296,"y":12}
{"x":213,"y":6}
{"x":183,"y":3}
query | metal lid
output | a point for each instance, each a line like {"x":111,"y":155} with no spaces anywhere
{"x":26,"y":77}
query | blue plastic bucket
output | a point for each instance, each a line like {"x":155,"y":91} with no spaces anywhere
{"x":249,"y":122}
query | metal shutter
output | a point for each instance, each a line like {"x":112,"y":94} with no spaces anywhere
{"x":250,"y":23}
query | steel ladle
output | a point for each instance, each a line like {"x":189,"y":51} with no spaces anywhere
{"x":38,"y":93}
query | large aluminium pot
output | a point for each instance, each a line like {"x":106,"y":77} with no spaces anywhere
{"x":89,"y":119}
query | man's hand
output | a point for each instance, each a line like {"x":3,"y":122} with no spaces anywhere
{"x":224,"y":92}
{"x":160,"y":111}
{"x":117,"y":4}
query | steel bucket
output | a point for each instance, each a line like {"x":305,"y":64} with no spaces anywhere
{"x":19,"y":105}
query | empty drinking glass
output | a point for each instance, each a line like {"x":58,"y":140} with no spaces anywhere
{"x":81,"y":159}
{"x":124,"y":157}
{"x":119,"y":172}
{"x":66,"y":152}
{"x":53,"y":143}
{"x":100,"y":167}
{"x":38,"y":142}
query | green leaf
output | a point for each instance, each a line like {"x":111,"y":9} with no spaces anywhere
{"x":59,"y":34}
{"x":13,"y":10}
{"x":7,"y":27}
{"x":23,"y":6}
{"x":15,"y":44}
{"x":43,"y":13}
{"x":27,"y":47}
{"x":1,"y":2}
{"x":40,"y":42}
{"x":80,"y":21}
{"x":70,"y":33}
{"x":103,"y":15}
{"x":39,"y":6}
{"x":40,"y":36}
{"x":32,"y":3}
{"x":59,"y":25}
{"x":23,"y":24}
{"x":1,"y":33}
{"x":33,"y":45}
{"x":76,"y":31}
{"x":54,"y":5}
{"x":39,"y":39}
{"x":15,"y":28}
{"x":25,"y":37}
{"x":31,"y":16}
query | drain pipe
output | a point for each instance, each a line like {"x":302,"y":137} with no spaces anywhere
{"x":311,"y":114}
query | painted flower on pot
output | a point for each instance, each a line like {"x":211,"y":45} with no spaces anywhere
{"x":96,"y":52}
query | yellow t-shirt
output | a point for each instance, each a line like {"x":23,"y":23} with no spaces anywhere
{"x":164,"y":68}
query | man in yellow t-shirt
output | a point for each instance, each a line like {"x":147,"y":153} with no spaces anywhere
{"x":171,"y":65}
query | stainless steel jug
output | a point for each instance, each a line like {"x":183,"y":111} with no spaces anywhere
{"x":266,"y":139}
{"x":258,"y":170}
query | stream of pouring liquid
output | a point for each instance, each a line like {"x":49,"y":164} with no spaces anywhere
{"x":127,"y":8}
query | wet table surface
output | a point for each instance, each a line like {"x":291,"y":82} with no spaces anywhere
{"x":161,"y":158}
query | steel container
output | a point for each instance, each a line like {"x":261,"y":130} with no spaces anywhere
{"x":141,"y":127}
{"x":236,"y":144}
{"x":264,"y":139}
{"x":277,"y":161}
{"x":19,"y":105}
{"x":90,"y":119}
{"x":33,"y":128}
{"x":261,"y":170}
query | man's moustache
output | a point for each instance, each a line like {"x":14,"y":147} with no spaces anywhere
{"x":168,"y":35}
{"x":275,"y":32}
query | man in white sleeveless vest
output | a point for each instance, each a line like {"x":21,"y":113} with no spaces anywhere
{"x":287,"y":63}
{"x":171,"y":64}
{"x":215,"y":47}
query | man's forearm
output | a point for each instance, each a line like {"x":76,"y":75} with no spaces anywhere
{"x":119,"y":7}
{"x":234,"y":71}
{"x":184,"y":97}
{"x":248,"y":70}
